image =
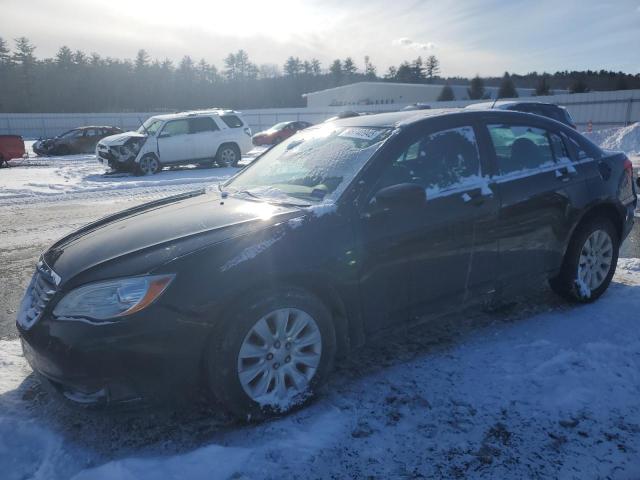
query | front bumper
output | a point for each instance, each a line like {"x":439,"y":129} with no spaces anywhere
{"x":145,"y":359}
{"x":113,"y":157}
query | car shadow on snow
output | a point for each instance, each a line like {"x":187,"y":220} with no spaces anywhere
{"x":110,"y":434}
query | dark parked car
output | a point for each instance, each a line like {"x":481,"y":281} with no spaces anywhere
{"x":417,"y":106}
{"x":561,"y":114}
{"x":345,"y":229}
{"x":11,"y":146}
{"x":78,"y":140}
{"x":278,"y":133}
{"x":341,"y":115}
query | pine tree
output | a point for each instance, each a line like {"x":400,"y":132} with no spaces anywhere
{"x":432,"y":68}
{"x":316,"y":68}
{"x":543,"y":88}
{"x":142,"y":60}
{"x":349,"y":67}
{"x":336,"y":70}
{"x":507,"y":88}
{"x":417,"y":71}
{"x":476,"y":89}
{"x":5,"y":53}
{"x":392,"y":73}
{"x":64,"y":57}
{"x":446,"y":95}
{"x":292,"y":67}
{"x":578,"y":86}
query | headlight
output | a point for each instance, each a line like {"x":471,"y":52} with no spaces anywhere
{"x":113,"y":298}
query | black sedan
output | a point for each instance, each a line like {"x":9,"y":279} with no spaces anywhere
{"x":78,"y":140}
{"x":250,"y":291}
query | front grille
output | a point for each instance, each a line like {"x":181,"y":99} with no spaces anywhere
{"x":39,"y":292}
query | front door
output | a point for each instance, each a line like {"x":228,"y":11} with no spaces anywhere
{"x":174,"y":144}
{"x":437,"y":255}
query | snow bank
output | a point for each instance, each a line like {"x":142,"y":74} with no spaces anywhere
{"x":626,"y":139}
{"x":508,"y":395}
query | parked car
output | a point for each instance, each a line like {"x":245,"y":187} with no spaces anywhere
{"x":11,"y":146}
{"x":346,"y":229}
{"x":278,"y":133}
{"x":78,"y":140}
{"x":212,"y":137}
{"x":561,"y":114}
{"x":417,"y":106}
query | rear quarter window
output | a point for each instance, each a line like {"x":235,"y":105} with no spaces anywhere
{"x":232,"y":121}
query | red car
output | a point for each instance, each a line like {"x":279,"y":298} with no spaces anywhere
{"x":11,"y":146}
{"x":278,"y":132}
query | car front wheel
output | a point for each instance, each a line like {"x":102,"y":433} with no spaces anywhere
{"x":271,"y":354}
{"x":148,"y":165}
{"x":590,"y":261}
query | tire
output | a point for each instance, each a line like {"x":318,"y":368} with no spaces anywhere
{"x":3,"y":163}
{"x":271,"y":362}
{"x":589,"y":263}
{"x":148,"y":165}
{"x":228,"y":155}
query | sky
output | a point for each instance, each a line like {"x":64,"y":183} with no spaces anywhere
{"x":468,"y":36}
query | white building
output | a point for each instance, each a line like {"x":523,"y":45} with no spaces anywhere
{"x":384,"y":93}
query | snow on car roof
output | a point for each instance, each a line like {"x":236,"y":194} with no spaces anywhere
{"x":195,"y":113}
{"x":503,"y":104}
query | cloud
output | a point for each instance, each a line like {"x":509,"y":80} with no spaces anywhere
{"x":408,"y":43}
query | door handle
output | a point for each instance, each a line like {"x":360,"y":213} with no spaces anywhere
{"x":474,"y":197}
{"x":565,"y":173}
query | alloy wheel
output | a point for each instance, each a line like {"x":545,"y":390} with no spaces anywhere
{"x":148,"y":165}
{"x":279,"y":356}
{"x":595,"y":260}
{"x":228,"y":157}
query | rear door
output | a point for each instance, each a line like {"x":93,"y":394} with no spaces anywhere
{"x":538,"y":186}
{"x":174,"y":143}
{"x":204,"y":135}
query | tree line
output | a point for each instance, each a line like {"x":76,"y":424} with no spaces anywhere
{"x":75,"y":81}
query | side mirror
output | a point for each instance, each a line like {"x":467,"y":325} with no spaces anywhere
{"x":402,"y":195}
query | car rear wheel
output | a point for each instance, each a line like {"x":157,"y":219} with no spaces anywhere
{"x":589,"y":263}
{"x":228,"y":156}
{"x":148,"y":165}
{"x":272,"y":354}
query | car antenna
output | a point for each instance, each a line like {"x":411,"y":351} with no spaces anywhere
{"x":494,"y":102}
{"x":142,"y":125}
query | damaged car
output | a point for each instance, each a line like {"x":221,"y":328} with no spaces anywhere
{"x":252,"y":291}
{"x":209,"y":137}
{"x":78,"y":140}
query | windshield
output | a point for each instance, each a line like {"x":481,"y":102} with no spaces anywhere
{"x":314,"y":165}
{"x":151,"y":126}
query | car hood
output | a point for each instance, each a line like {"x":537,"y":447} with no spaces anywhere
{"x":140,"y":239}
{"x":120,"y":138}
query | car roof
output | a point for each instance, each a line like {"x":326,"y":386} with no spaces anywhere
{"x":195,"y":113}
{"x":506,"y":104}
{"x":410,"y":117}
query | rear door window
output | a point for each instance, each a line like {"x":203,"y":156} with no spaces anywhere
{"x":202,"y":124}
{"x":232,"y":121}
{"x":520,"y":148}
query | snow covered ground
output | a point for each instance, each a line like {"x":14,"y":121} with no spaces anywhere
{"x":76,"y":177}
{"x":546,"y":390}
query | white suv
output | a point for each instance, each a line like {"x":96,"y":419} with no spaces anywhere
{"x":215,"y":137}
